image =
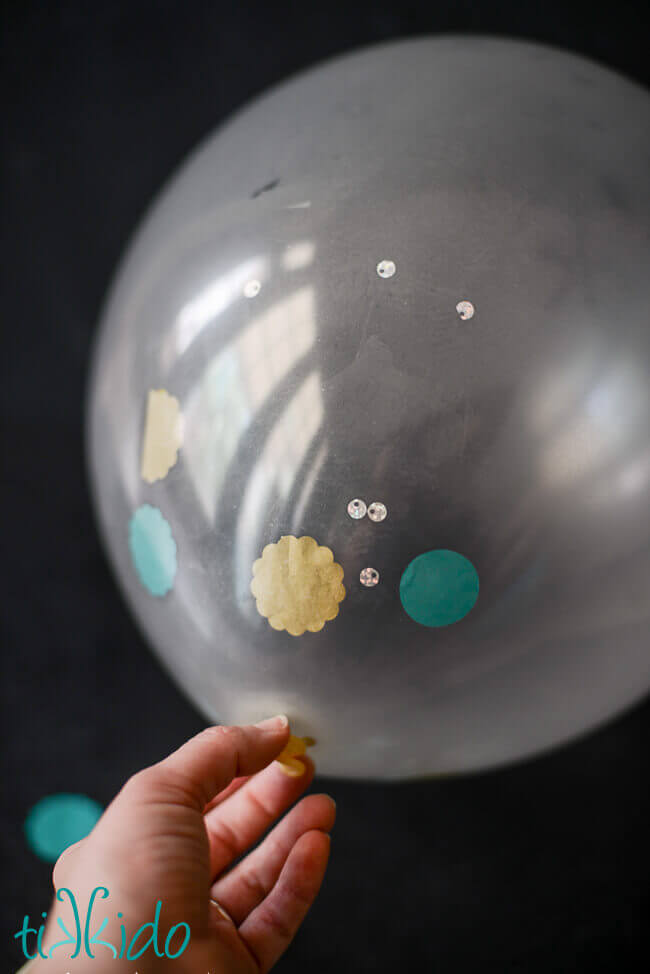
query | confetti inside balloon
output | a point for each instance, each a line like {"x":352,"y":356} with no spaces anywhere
{"x":297,"y":585}
{"x":153,"y":549}
{"x":163,"y":435}
{"x":357,"y":509}
{"x":439,"y":588}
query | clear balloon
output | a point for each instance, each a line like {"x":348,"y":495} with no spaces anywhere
{"x":417,"y":273}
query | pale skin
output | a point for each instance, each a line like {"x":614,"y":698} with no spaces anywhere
{"x":173,"y":833}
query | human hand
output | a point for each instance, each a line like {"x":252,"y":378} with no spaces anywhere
{"x":171,"y":835}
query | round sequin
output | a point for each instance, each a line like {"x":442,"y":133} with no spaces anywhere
{"x":439,"y":587}
{"x":465,"y":310}
{"x":386,"y":268}
{"x":153,"y":549}
{"x":357,"y":508}
{"x":369,"y":577}
{"x":57,"y":821}
{"x":377,"y":511}
{"x":252,"y":289}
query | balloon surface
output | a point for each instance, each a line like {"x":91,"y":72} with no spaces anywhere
{"x":369,"y":418}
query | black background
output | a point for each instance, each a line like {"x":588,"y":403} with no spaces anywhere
{"x":538,"y":868}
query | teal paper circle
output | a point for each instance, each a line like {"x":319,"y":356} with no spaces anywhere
{"x":57,"y":821}
{"x":439,"y":587}
{"x":153,"y":549}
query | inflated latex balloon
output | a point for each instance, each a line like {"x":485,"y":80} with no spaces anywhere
{"x":370,"y":408}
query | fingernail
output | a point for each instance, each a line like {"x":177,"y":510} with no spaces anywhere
{"x":273,"y":723}
{"x":224,"y":913}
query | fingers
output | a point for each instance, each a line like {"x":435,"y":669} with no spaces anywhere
{"x":271,"y":927}
{"x":238,"y":822}
{"x":245,"y":886}
{"x":207,"y":763}
{"x":234,"y":786}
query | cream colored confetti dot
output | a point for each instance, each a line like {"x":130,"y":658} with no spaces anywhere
{"x":163,"y":435}
{"x":297,"y":585}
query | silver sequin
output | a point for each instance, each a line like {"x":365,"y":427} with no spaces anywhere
{"x":377,"y":511}
{"x":465,"y":310}
{"x":386,"y":268}
{"x":369,"y":577}
{"x":357,"y":508}
{"x":252,"y":289}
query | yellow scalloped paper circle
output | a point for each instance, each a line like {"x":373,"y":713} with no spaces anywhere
{"x":297,"y":585}
{"x":163,"y":435}
{"x":296,"y":746}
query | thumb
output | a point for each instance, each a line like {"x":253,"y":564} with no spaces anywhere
{"x":207,"y":763}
